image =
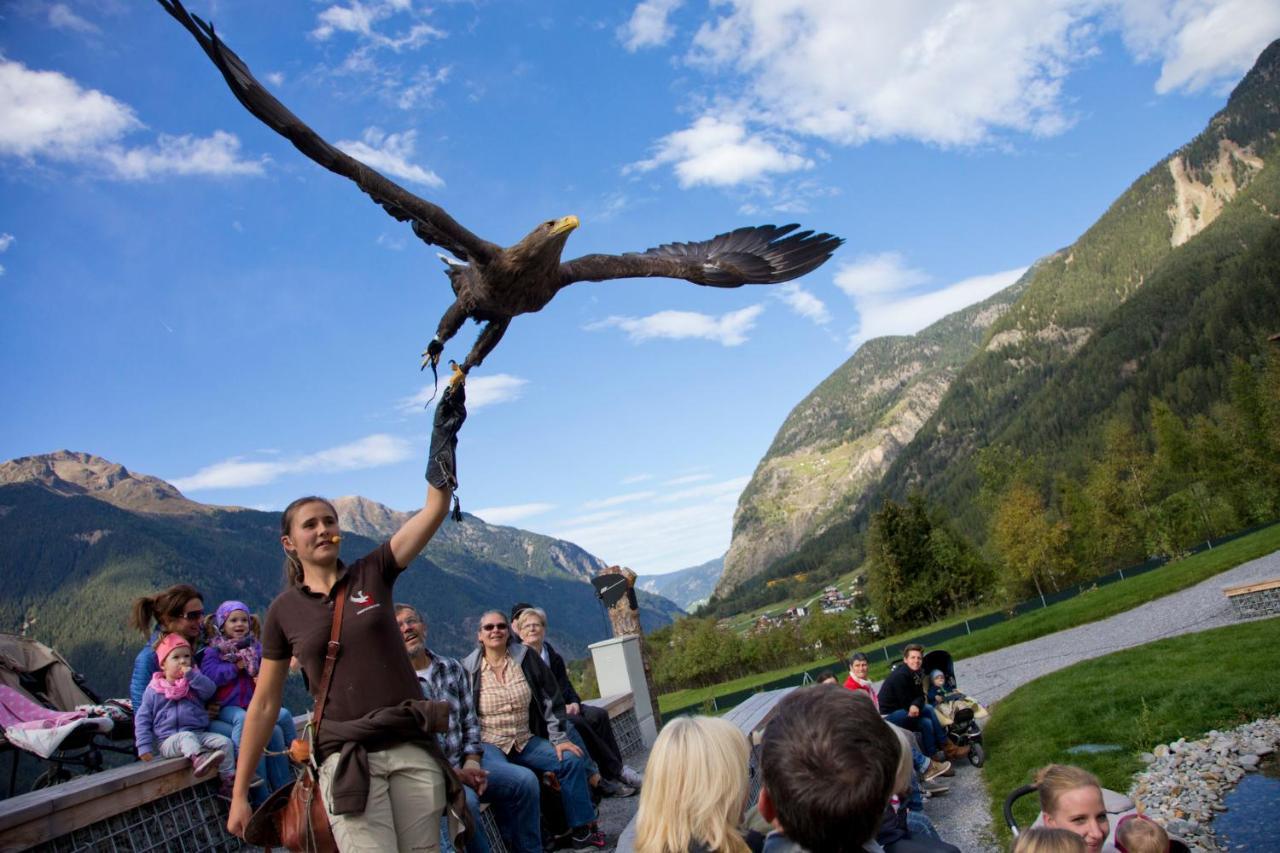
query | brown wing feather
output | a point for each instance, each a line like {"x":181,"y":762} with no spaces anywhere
{"x":763,"y":254}
{"x":430,"y":222}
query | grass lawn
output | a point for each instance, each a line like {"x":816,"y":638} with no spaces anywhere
{"x":1137,"y":698}
{"x":1088,"y":607}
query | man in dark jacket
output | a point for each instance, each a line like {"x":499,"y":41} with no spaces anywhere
{"x":903,"y":702}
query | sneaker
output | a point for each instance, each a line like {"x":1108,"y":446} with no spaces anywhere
{"x":632,"y":777}
{"x":936,"y":769}
{"x":586,"y":838}
{"x":610,"y":788}
{"x":205,"y":763}
{"x":933,"y":789}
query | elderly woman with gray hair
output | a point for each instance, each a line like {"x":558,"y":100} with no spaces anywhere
{"x":590,"y":723}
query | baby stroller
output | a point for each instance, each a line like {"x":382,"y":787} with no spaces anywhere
{"x":48,"y":712}
{"x":957,"y":713}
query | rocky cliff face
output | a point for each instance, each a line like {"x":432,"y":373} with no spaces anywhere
{"x":841,"y":439}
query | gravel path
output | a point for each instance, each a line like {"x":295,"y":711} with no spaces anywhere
{"x":963,"y":815}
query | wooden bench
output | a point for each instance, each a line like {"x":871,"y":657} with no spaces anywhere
{"x":1255,"y":600}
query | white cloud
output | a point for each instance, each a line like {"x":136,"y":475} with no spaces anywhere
{"x":358,"y":18}
{"x":663,"y":537}
{"x":481,"y":391}
{"x":6,"y":240}
{"x":870,"y":275}
{"x":729,"y":329}
{"x":47,"y":114}
{"x":1200,"y":44}
{"x":636,"y":478}
{"x":512,"y":514}
{"x":390,"y":153}
{"x":421,"y":87}
{"x":719,"y":151}
{"x":648,"y":26}
{"x":619,"y":500}
{"x":369,"y":452}
{"x":275,"y":78}
{"x":687,"y":479}
{"x":885,"y":313}
{"x":218,"y":154}
{"x":947,"y":73}
{"x":803,"y":302}
{"x":63,"y":18}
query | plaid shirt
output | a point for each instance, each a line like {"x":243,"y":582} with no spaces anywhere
{"x":447,"y":682}
{"x":504,"y":706}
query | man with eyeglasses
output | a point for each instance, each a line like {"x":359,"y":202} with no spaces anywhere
{"x":511,"y":790}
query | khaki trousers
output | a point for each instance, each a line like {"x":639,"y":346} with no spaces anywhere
{"x":406,"y":799}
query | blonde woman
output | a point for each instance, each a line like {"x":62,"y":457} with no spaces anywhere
{"x":1071,"y":799}
{"x":695,"y":789}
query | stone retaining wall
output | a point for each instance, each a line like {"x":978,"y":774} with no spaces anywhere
{"x":1255,"y":601}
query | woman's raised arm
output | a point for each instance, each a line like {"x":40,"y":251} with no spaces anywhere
{"x":442,"y":478}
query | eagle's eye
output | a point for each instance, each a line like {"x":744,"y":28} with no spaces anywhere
{"x":550,"y":223}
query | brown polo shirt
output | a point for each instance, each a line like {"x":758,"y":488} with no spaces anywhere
{"x":373,"y":670}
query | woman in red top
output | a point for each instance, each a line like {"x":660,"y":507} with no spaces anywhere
{"x":857,"y":680}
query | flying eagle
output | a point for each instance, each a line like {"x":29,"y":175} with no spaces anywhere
{"x":493,"y":284}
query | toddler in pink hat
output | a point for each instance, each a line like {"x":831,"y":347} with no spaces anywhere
{"x":172,"y":714}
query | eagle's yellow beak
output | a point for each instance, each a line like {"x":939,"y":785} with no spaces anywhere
{"x":565,"y":225}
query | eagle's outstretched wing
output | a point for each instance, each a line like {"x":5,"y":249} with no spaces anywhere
{"x":763,"y":254}
{"x":430,"y":222}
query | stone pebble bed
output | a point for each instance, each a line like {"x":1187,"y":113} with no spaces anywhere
{"x":1186,"y":782}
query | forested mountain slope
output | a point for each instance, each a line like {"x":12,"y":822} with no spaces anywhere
{"x":72,"y":560}
{"x":1176,"y":280}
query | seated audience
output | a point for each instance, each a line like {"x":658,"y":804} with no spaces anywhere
{"x":1137,"y":833}
{"x":232,"y":659}
{"x":177,"y":610}
{"x":171,"y":719}
{"x":1040,"y":839}
{"x":512,"y":790}
{"x":514,"y":690}
{"x":903,"y":703}
{"x":1071,"y":799}
{"x":695,"y":788}
{"x":829,"y":763}
{"x":903,"y":831}
{"x":927,"y":769}
{"x":591,"y":723}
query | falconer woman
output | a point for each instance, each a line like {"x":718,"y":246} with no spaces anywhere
{"x":382,"y":776}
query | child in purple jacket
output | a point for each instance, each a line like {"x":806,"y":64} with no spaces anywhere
{"x":172,"y":720}
{"x":231,"y":659}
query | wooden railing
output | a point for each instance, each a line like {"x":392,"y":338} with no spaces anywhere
{"x":144,"y":804}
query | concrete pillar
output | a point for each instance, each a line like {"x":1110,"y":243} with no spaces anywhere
{"x":620,"y":669}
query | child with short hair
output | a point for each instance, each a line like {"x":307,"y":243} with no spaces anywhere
{"x":172,"y":720}
{"x":232,"y":659}
{"x":1137,"y":833}
{"x":1044,"y":840}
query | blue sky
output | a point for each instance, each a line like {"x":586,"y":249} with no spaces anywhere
{"x":184,"y":293}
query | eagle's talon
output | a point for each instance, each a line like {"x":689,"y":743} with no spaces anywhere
{"x":431,"y":355}
{"x":459,"y":375}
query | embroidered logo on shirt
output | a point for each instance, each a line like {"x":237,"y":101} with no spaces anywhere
{"x":360,"y":597}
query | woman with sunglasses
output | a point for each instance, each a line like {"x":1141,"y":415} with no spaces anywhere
{"x":177,"y":610}
{"x":382,"y":776}
{"x":522,"y":721}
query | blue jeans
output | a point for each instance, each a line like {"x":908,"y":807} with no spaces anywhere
{"x":540,"y":756}
{"x":272,"y":768}
{"x":513,"y":798}
{"x":931,"y":731}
